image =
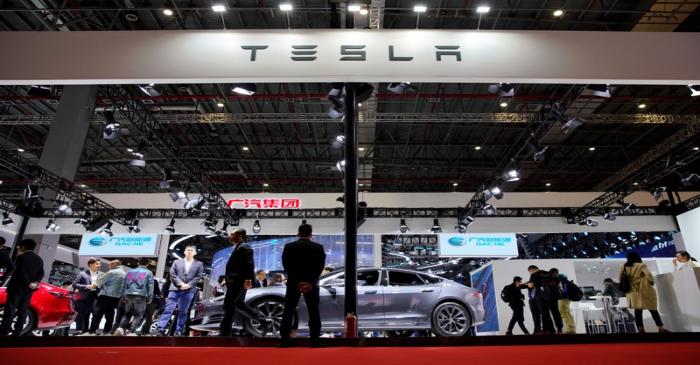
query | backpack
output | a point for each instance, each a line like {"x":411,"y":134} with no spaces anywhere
{"x":573,"y":292}
{"x":624,"y":285}
{"x":506,"y":294}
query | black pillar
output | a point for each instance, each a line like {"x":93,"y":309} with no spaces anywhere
{"x":350,"y":177}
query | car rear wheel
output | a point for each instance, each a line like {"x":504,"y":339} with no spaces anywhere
{"x":270,"y":308}
{"x":451,"y":319}
{"x":30,"y":322}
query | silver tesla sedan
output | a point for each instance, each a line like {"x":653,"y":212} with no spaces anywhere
{"x":387,"y":300}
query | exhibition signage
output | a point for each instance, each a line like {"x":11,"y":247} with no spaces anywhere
{"x":478,"y":245}
{"x":264,"y":203}
{"x":118,"y":245}
{"x":351,"y":55}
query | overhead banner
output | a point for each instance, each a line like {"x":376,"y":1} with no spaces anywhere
{"x":477,"y":245}
{"x":207,"y":56}
{"x":119,"y":245}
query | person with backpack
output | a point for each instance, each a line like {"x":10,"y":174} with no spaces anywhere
{"x":546,"y":293}
{"x":564,"y":303}
{"x":638,"y":282}
{"x":512,"y":295}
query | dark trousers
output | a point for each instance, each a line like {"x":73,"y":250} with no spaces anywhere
{"x":234,"y":302}
{"x":549,"y":309}
{"x":291,"y":299}
{"x":134,"y":306}
{"x":536,"y":316}
{"x":105,"y":307}
{"x":85,"y":307}
{"x":640,"y":322}
{"x":151,"y":309}
{"x":518,"y":317}
{"x":17,"y":304}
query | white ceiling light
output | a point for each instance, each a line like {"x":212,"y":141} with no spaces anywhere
{"x":483,"y":9}
{"x":591,"y":149}
{"x":245,"y":148}
{"x":477,"y":148}
{"x":354,"y":7}
{"x":558,"y":12}
{"x":220,"y":105}
{"x":455,"y":184}
{"x":168,"y":12}
{"x":364,"y":12}
{"x":20,"y":150}
{"x":642,"y":106}
{"x":420,"y":8}
{"x":504,"y":105}
{"x":219,"y":8}
{"x":286,"y":7}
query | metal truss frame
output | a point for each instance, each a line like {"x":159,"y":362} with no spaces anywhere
{"x":692,"y":203}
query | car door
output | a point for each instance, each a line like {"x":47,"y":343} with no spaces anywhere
{"x":408,"y":299}
{"x":370,"y":299}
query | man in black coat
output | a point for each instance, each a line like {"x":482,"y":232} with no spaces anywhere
{"x":303,"y":260}
{"x":546,"y":294}
{"x":517,"y":304}
{"x":29,"y":270}
{"x":240,"y":273}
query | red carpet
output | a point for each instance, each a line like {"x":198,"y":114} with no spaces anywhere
{"x":598,"y":354}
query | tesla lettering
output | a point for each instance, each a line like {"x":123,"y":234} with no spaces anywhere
{"x":355,"y":52}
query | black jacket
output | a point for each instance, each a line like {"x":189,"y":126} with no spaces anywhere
{"x":240,"y":266}
{"x":6,"y":262}
{"x":515,"y":294}
{"x":546,"y":286}
{"x":29,"y":268}
{"x":303,"y":260}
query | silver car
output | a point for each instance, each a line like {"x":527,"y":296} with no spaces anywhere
{"x":387,"y":300}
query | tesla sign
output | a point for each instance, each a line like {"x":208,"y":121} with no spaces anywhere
{"x":118,"y":245}
{"x":478,"y":245}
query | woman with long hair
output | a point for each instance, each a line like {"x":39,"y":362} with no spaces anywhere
{"x":642,"y":294}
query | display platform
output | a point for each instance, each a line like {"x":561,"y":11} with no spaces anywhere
{"x":569,"y":349}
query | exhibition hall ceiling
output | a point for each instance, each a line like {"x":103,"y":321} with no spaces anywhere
{"x":435,"y":137}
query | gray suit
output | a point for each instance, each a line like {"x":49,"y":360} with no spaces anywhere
{"x":182,"y":299}
{"x":179,"y":276}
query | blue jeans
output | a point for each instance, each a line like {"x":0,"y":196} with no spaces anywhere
{"x":180,"y":299}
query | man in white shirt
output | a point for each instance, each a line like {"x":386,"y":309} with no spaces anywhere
{"x":184,"y":275}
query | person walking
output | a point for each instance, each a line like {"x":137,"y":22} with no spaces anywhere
{"x":29,"y":270}
{"x":564,"y":304}
{"x":111,"y":286}
{"x":85,"y":286}
{"x":546,"y":295}
{"x":303,"y":260}
{"x":516,"y":302}
{"x":185,"y":274}
{"x":642,"y":294}
{"x":239,"y":278}
{"x":138,"y":292}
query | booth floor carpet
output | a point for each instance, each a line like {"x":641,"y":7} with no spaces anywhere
{"x":598,"y":354}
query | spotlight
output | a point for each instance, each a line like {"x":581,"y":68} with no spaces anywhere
{"x":219,"y":8}
{"x":541,"y":155}
{"x":168,"y":12}
{"x":399,"y":87}
{"x":601,"y":90}
{"x":176,"y":196}
{"x":694,"y":90}
{"x":436,"y":226}
{"x":63,"y":208}
{"x":503,"y":89}
{"x":112,"y":129}
{"x":244,"y":89}
{"x":610,"y":217}
{"x":658,"y":192}
{"x":335,"y":96}
{"x":591,"y":222}
{"x":340,"y":199}
{"x":134,"y":227}
{"x":196,"y":205}
{"x":139,"y":155}
{"x":171,"y":227}
{"x":340,"y":165}
{"x":167,"y":178}
{"x":84,"y":220}
{"x":107,"y":230}
{"x":286,"y":7}
{"x":483,"y":9}
{"x":403,"y":228}
{"x":6,"y":220}
{"x":489,"y":209}
{"x":558,"y":12}
{"x":354,"y":7}
{"x":256,"y":227}
{"x":690,"y":180}
{"x":223,"y":232}
{"x":363,"y":92}
{"x":626,"y":207}
{"x":512,"y":175}
{"x":494,"y":192}
{"x":338,"y":141}
{"x":52,"y":226}
{"x":420,"y":9}
{"x":149,"y":89}
{"x":39,"y":91}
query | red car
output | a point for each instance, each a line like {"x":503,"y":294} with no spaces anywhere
{"x":50,"y":307}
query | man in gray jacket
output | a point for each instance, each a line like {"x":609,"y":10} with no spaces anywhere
{"x":111,"y":286}
{"x":184,"y":276}
{"x":138,"y":291}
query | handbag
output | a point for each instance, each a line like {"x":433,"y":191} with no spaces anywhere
{"x":624,"y":285}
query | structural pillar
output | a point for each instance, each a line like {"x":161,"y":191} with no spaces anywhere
{"x":350,"y":181}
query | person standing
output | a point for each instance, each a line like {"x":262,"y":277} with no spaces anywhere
{"x":546,"y":295}
{"x":29,"y":270}
{"x":564,"y":304}
{"x":239,"y":278}
{"x":6,"y":265}
{"x":683,"y":261}
{"x":185,"y":274}
{"x":85,"y":286}
{"x":111,"y":286}
{"x":138,"y":292}
{"x":260,"y":279}
{"x":303,"y":260}
{"x":642,"y":294}
{"x":516,"y":302}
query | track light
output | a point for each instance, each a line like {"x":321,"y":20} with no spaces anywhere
{"x":139,"y":155}
{"x":403,"y":228}
{"x":256,"y":227}
{"x":399,"y":87}
{"x":626,"y":207}
{"x":51,"y":226}
{"x":690,"y":180}
{"x":112,"y":129}
{"x":62,"y":208}
{"x":171,"y":226}
{"x":6,"y":220}
{"x":436,"y":226}
{"x":84,"y":220}
{"x":340,"y":165}
{"x":149,"y":89}
{"x":338,"y":141}
{"x":177,"y":196}
{"x":591,"y":222}
{"x":337,"y":100}
{"x":107,"y":230}
{"x":134,"y":227}
{"x":610,"y":217}
{"x":167,"y":178}
{"x":571,"y":124}
{"x":503,"y":89}
{"x":657,"y":193}
{"x":512,"y":175}
{"x":600,"y":90}
{"x":694,"y":90}
{"x":244,"y":89}
{"x":196,"y":205}
{"x":489,"y":209}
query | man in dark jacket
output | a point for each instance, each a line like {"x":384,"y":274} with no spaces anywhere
{"x":85,"y":286}
{"x":517,"y":304}
{"x":303,"y":260}
{"x":240,"y":273}
{"x":185,"y":275}
{"x":29,"y":270}
{"x":6,"y":265}
{"x":546,"y":295}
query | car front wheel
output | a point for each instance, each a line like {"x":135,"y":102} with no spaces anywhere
{"x":271,"y":308}
{"x":29,"y":322}
{"x":451,"y":319}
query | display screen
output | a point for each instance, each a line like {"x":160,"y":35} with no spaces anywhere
{"x":478,"y":245}
{"x":119,"y":245}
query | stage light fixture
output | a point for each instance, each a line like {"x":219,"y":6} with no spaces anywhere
{"x":571,"y":124}
{"x":502,"y":89}
{"x":420,"y":9}
{"x":244,"y":89}
{"x":219,"y":8}
{"x":600,"y":90}
{"x":436,"y":226}
{"x":338,"y":141}
{"x":134,"y":227}
{"x":657,"y":193}
{"x":256,"y":227}
{"x":286,"y":7}
{"x":489,"y":209}
{"x":177,"y":196}
{"x":107,"y":230}
{"x":138,"y":159}
{"x":51,"y":226}
{"x":149,"y":89}
{"x":512,"y":175}
{"x":63,"y":208}
{"x":168,"y":12}
{"x":558,"y":12}
{"x":167,"y":178}
{"x":112,"y":129}
{"x":483,"y":9}
{"x":626,"y":207}
{"x":403,"y":228}
{"x":354,"y":7}
{"x":610,"y":216}
{"x":6,"y":219}
{"x":694,"y":90}
{"x":399,"y":87}
{"x":171,"y":226}
{"x":591,"y":222}
{"x":690,"y":180}
{"x":340,"y":165}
